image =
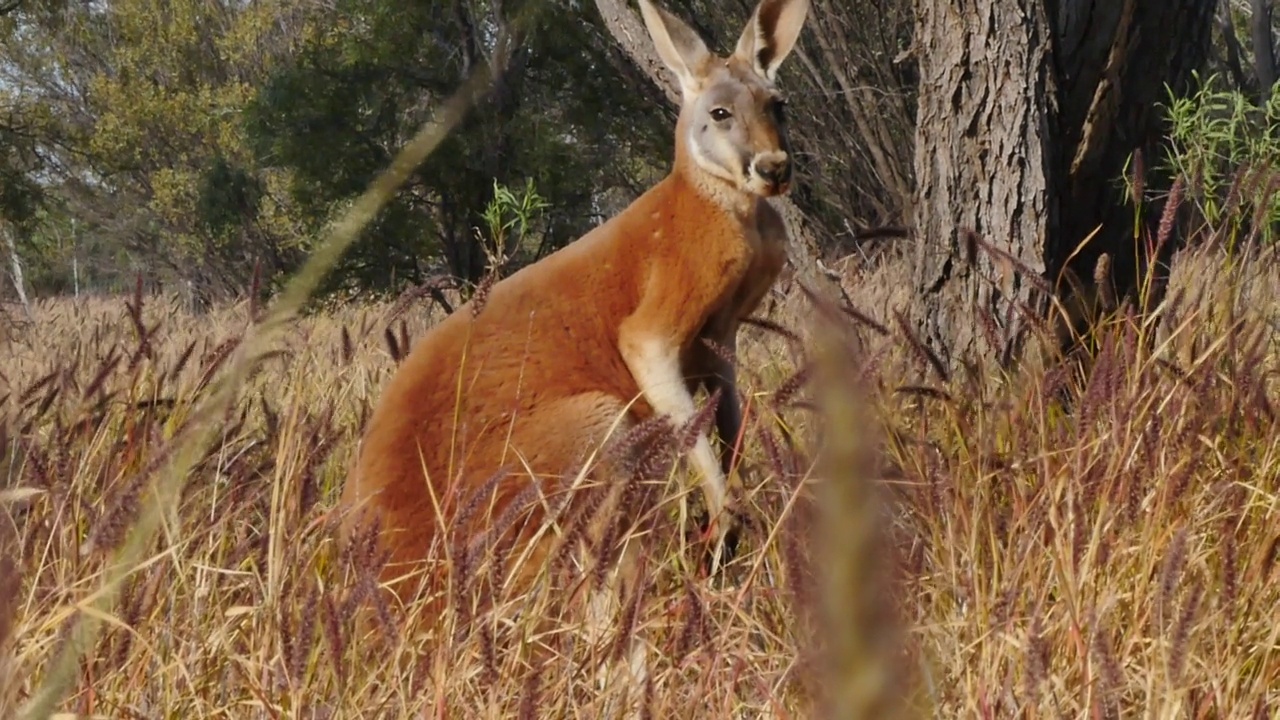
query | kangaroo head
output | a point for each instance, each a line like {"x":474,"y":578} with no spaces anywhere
{"x":732,"y":125}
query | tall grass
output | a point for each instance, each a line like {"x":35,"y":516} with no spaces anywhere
{"x":246,"y":605}
{"x":165,"y":478}
{"x":1114,"y":560}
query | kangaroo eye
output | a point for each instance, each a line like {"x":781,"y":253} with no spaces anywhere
{"x":720,"y":114}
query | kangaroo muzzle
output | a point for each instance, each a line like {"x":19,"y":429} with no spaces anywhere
{"x":774,"y":168}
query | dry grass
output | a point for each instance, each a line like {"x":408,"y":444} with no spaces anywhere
{"x":1112,"y":561}
{"x":247,"y":607}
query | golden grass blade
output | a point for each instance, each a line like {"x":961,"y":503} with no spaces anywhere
{"x":859,"y":624}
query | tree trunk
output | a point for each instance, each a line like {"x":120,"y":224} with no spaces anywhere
{"x":1029,"y":111}
{"x":1264,"y":58}
{"x":15,"y":266}
{"x":983,"y":159}
{"x":627,"y":29}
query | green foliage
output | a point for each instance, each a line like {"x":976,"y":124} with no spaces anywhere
{"x":21,"y":128}
{"x":225,"y":195}
{"x":138,"y":132}
{"x":560,"y":118}
{"x":168,"y":121}
{"x":510,"y":211}
{"x":19,"y":196}
{"x":1229,"y":148}
{"x":194,"y":140}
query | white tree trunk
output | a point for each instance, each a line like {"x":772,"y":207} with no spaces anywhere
{"x":15,"y":267}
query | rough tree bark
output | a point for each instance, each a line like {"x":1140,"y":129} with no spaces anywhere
{"x":626,"y":27}
{"x":1028,"y":113}
{"x":1264,"y":58}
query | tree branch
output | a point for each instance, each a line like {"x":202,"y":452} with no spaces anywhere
{"x":629,"y":32}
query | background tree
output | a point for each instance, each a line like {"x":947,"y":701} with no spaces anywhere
{"x":1251,"y":67}
{"x":1029,"y":113}
{"x":20,"y":196}
{"x":192,"y":141}
{"x":143,"y":142}
{"x":559,"y":116}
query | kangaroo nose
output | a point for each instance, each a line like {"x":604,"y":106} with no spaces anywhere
{"x":773,"y":170}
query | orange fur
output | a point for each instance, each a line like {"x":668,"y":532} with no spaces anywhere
{"x":537,"y":378}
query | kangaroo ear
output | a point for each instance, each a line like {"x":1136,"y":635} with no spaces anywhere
{"x":679,"y":45}
{"x":771,"y":34}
